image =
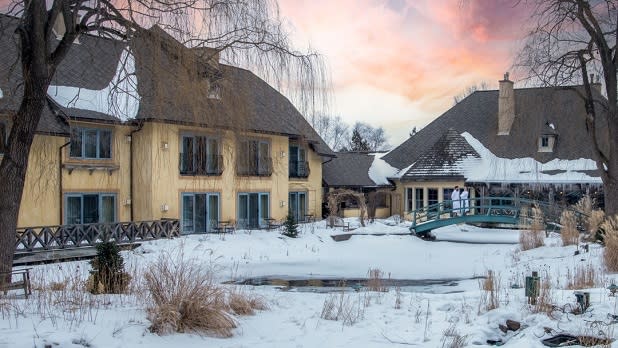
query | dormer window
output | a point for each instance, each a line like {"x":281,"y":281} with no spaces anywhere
{"x":214,"y":91}
{"x":546,"y":143}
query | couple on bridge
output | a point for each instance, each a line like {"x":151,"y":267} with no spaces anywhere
{"x":461,"y":204}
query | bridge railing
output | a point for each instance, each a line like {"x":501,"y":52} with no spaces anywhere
{"x":491,"y":206}
{"x":87,"y":235}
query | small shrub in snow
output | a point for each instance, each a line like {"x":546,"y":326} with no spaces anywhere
{"x":108,"y":275}
{"x":290,"y":227}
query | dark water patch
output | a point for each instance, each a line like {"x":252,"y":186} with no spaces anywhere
{"x":442,"y":286}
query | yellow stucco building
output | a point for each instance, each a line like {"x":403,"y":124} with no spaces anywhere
{"x":194,"y":140}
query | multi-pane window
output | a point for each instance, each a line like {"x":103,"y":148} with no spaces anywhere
{"x":409,"y":199}
{"x":200,"y":212}
{"x":298,"y":205}
{"x":87,"y":208}
{"x":432,"y":198}
{"x":446,"y":194}
{"x":91,"y":143}
{"x":254,"y":158}
{"x":200,"y":156}
{"x":419,"y":199}
{"x":546,"y":143}
{"x":299,"y":167}
{"x":253,"y":210}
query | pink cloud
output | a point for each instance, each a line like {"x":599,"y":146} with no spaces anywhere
{"x":424,"y":50}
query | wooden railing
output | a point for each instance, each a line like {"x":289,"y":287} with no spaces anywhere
{"x":88,"y":235}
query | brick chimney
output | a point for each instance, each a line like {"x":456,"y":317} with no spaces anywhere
{"x":506,"y":105}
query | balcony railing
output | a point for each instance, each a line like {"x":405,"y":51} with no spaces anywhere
{"x":299,"y":169}
{"x":262,"y":168}
{"x":200,"y":164}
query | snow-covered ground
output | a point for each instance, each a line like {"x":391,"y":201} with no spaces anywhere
{"x":431,"y":318}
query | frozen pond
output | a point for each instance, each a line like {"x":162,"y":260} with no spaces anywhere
{"x":326,"y":285}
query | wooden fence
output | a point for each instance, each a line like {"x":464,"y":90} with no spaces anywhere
{"x":88,"y":235}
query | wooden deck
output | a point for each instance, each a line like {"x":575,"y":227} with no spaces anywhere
{"x":61,"y":255}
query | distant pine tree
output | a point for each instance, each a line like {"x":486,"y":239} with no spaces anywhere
{"x":358,"y":143}
{"x":290,"y":227}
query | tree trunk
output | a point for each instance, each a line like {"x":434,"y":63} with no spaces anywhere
{"x":13,"y":175}
{"x":36,"y":73}
{"x":610,"y":190}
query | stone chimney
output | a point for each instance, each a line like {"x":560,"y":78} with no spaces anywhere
{"x":506,"y":106}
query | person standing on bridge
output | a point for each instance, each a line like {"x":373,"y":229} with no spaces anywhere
{"x":456,"y":202}
{"x":465,"y":203}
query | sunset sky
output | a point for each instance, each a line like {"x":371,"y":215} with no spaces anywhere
{"x":398,"y":63}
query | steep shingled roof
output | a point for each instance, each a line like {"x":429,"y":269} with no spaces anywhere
{"x":535,"y":110}
{"x":445,"y":159}
{"x":349,"y":169}
{"x":171,"y":91}
{"x":10,"y":82}
{"x":172,"y":83}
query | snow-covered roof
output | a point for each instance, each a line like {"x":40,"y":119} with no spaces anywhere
{"x":119,"y":99}
{"x":380,"y":170}
{"x":559,"y":111}
{"x":448,"y":158}
{"x":357,"y":169}
{"x":491,"y":168}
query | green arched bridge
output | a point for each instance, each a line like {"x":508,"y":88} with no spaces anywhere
{"x":491,"y":210}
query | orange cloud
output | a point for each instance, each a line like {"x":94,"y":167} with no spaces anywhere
{"x":424,"y":50}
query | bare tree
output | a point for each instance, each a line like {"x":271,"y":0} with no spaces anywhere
{"x":247,"y":33}
{"x":570,"y":39}
{"x":482,"y":86}
{"x":332,"y":129}
{"x":364,"y":137}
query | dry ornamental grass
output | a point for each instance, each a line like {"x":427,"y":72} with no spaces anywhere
{"x":583,"y":277}
{"x":568,"y":233}
{"x":533,"y":234}
{"x":610,"y":254}
{"x":185,"y":299}
{"x":490,"y":294}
